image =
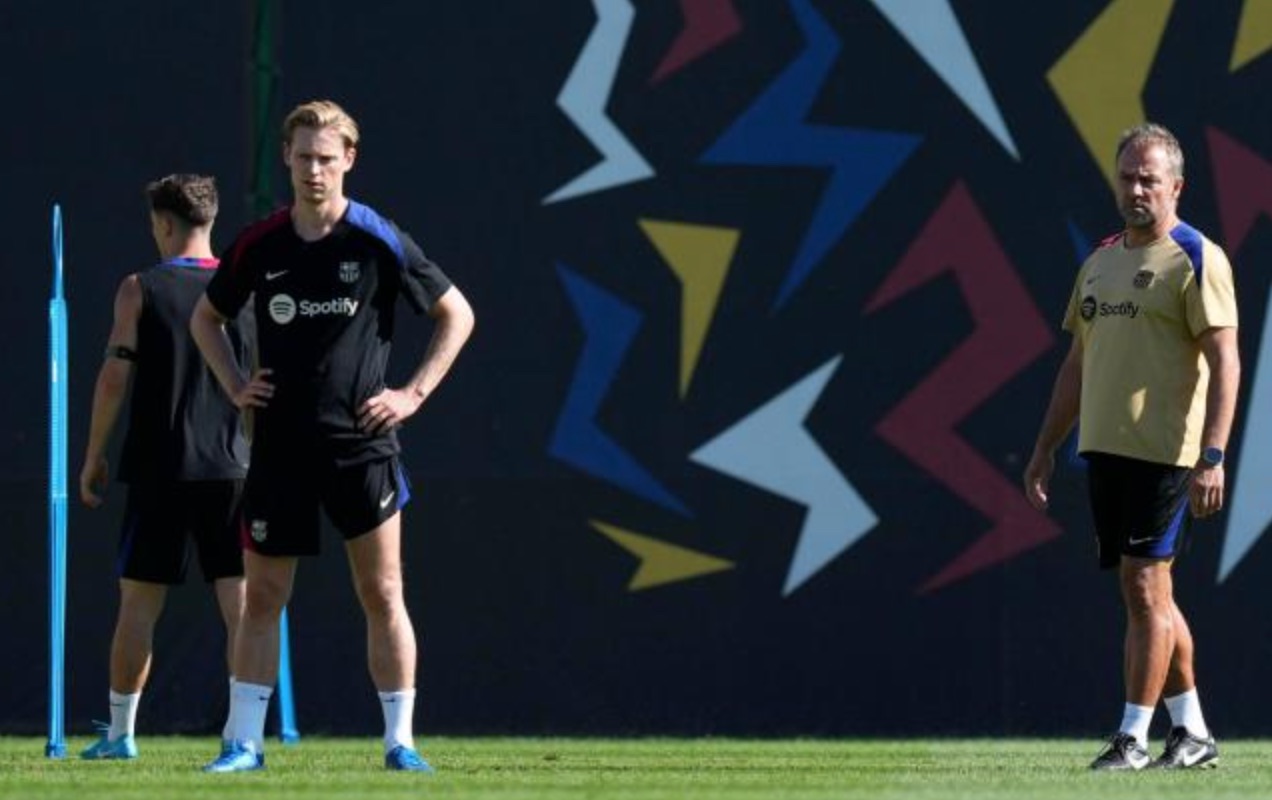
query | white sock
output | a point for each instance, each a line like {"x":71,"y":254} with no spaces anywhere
{"x":1185,"y":712}
{"x":229,"y":716}
{"x":1135,"y":721}
{"x":123,"y":714}
{"x":399,"y":710}
{"x":248,"y":704}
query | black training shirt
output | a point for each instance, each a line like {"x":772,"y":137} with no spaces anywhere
{"x":181,"y":426}
{"x":324,"y":313}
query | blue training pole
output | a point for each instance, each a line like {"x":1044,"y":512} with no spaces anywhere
{"x":287,"y":730}
{"x":56,"y":746}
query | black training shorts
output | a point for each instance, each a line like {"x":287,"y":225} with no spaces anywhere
{"x":280,"y":509}
{"x":1140,"y":508}
{"x":161,"y":519}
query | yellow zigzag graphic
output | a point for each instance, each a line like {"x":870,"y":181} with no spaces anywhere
{"x":1254,"y":33}
{"x":661,"y":563}
{"x":1101,"y":77}
{"x":700,"y":256}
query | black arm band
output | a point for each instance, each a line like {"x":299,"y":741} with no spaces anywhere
{"x":119,"y":351}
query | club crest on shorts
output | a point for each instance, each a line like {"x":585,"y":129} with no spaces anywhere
{"x":260,"y":530}
{"x":350,"y":271}
{"x":1142,"y":279}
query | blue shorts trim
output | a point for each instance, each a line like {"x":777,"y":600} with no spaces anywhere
{"x":1140,"y":507}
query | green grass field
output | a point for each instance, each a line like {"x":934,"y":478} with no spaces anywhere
{"x":640,"y":769}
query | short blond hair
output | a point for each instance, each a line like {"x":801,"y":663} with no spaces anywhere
{"x":319,"y":114}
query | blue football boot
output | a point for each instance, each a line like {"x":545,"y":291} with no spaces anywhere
{"x":405,"y":759}
{"x":122,"y":749}
{"x":237,"y":756}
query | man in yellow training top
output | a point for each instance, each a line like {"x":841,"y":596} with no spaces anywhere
{"x":1152,"y":377}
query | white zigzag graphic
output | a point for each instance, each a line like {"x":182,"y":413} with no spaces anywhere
{"x":771,"y":449}
{"x":583,"y":99}
{"x":932,"y":29}
{"x":1250,"y":510}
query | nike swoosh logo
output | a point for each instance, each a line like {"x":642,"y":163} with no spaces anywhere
{"x":1141,"y":540}
{"x":269,"y":276}
{"x":388,"y":498}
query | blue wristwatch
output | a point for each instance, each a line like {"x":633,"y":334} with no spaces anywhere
{"x":1212,"y":456}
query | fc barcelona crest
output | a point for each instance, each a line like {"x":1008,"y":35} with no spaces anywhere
{"x":350,"y":271}
{"x":1142,"y":279}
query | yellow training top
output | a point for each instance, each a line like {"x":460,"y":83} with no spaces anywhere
{"x":1138,"y":312}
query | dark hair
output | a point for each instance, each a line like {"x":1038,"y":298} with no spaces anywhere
{"x":191,"y":198}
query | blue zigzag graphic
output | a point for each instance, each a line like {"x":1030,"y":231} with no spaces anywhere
{"x":1082,"y":244}
{"x":933,"y":31}
{"x":772,"y":132}
{"x":611,"y":326}
{"x":586,"y":93}
{"x":1082,"y":247}
{"x":773,"y":450}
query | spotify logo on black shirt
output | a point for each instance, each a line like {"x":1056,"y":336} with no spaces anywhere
{"x":282,"y":308}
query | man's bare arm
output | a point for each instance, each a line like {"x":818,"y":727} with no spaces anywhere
{"x":207,"y":326}
{"x":1219,"y":348}
{"x":1062,"y":413}
{"x":454,"y":324}
{"x":113,"y":380}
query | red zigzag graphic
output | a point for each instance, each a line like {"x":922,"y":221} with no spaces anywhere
{"x":1243,"y":186}
{"x":1009,"y":334}
{"x":708,"y":24}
